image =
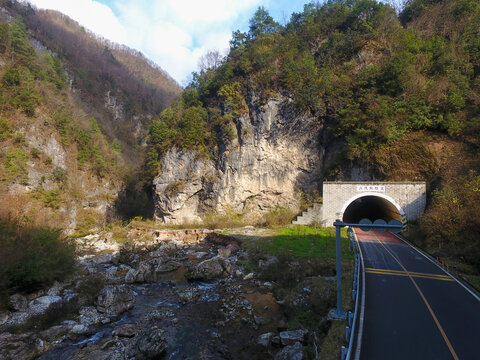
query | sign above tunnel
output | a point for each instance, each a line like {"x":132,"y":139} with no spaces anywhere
{"x":374,"y":188}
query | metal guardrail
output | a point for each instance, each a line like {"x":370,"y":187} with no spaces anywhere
{"x":352,"y":318}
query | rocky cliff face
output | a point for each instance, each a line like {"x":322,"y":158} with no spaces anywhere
{"x":276,"y":155}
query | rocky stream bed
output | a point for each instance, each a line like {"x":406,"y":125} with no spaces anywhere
{"x":179,"y":295}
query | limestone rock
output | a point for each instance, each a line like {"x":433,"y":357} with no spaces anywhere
{"x":148,"y":344}
{"x":18,"y":302}
{"x":292,"y":336}
{"x":90,"y":316}
{"x":291,"y":352}
{"x":115,"y":299}
{"x":125,"y":330}
{"x":207,"y":269}
{"x":4,"y":315}
{"x":270,"y":260}
{"x":265,"y":339}
{"x":21,"y":347}
{"x":276,"y":152}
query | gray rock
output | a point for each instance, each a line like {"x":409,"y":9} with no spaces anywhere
{"x":45,"y":300}
{"x":18,"y":302}
{"x":55,"y":290}
{"x":42,"y":304}
{"x":143,"y":273}
{"x":207,"y":269}
{"x":148,"y":344}
{"x":168,"y":266}
{"x":265,"y":339}
{"x":55,"y":332}
{"x":4,"y":315}
{"x":102,"y":259}
{"x":90,"y":316}
{"x":224,"y":252}
{"x":291,"y":352}
{"x":21,"y":347}
{"x":115,"y":299}
{"x":276,"y":152}
{"x":130,"y":276}
{"x":249,"y":276}
{"x":270,"y":260}
{"x":292,"y":336}
{"x":200,"y":254}
{"x":125,"y":330}
{"x":79,"y":329}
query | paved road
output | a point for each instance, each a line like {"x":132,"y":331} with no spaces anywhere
{"x":413,"y":309}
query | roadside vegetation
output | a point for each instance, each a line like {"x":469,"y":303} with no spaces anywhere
{"x":299,"y":262}
{"x":31,"y":257}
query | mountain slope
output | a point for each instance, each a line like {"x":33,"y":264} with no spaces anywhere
{"x":72,"y":121}
{"x":117,"y":84}
{"x":388,"y":95}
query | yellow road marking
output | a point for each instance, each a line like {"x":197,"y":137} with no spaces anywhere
{"x":439,"y":326}
{"x":409,"y":273}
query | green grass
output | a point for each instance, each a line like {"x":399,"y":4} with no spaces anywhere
{"x":305,"y":242}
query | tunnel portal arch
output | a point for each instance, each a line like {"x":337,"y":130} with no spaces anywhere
{"x":404,"y":201}
{"x":372,"y":206}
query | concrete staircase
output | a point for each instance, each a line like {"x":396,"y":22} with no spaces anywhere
{"x":311,"y":215}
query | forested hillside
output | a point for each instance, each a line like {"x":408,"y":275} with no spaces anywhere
{"x":400,"y":94}
{"x":74,"y":112}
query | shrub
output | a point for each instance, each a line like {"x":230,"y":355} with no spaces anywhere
{"x":16,"y":165}
{"x":277,"y":216}
{"x":6,"y":129}
{"x":31,"y":257}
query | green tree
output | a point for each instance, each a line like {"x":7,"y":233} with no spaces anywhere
{"x":262,"y":23}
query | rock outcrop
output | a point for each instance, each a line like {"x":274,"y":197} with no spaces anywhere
{"x":276,"y":153}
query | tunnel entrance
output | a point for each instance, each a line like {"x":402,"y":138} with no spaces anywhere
{"x":372,"y":207}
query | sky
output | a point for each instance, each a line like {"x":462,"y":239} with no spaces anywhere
{"x":172,"y":33}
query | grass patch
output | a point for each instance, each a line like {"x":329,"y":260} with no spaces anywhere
{"x":305,"y":242}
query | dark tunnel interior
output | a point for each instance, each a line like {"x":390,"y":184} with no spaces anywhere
{"x":371,"y":207}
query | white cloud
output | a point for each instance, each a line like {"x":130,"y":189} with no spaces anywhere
{"x":173,"y":33}
{"x":92,"y":15}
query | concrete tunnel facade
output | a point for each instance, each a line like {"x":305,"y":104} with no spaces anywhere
{"x":352,"y":201}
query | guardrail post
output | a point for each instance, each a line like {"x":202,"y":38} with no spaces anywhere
{"x":339,"y":313}
{"x":344,"y":352}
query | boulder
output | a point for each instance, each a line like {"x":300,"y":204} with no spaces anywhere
{"x":90,"y":316}
{"x":102,"y":259}
{"x":148,"y":344}
{"x":168,"y":266}
{"x":291,"y":352}
{"x":18,"y":302}
{"x":270,"y":260}
{"x":265,"y":339}
{"x":4,"y":316}
{"x":21,"y":347}
{"x":292,"y":336}
{"x":224,"y":252}
{"x":125,"y":330}
{"x":55,"y":332}
{"x":143,"y":273}
{"x":80,"y":329}
{"x":42,"y":304}
{"x":115,"y":299}
{"x":207,"y":269}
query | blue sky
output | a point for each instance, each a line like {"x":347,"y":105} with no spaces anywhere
{"x":172,"y":33}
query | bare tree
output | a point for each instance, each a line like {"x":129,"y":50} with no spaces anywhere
{"x":398,"y":5}
{"x":210,"y":61}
